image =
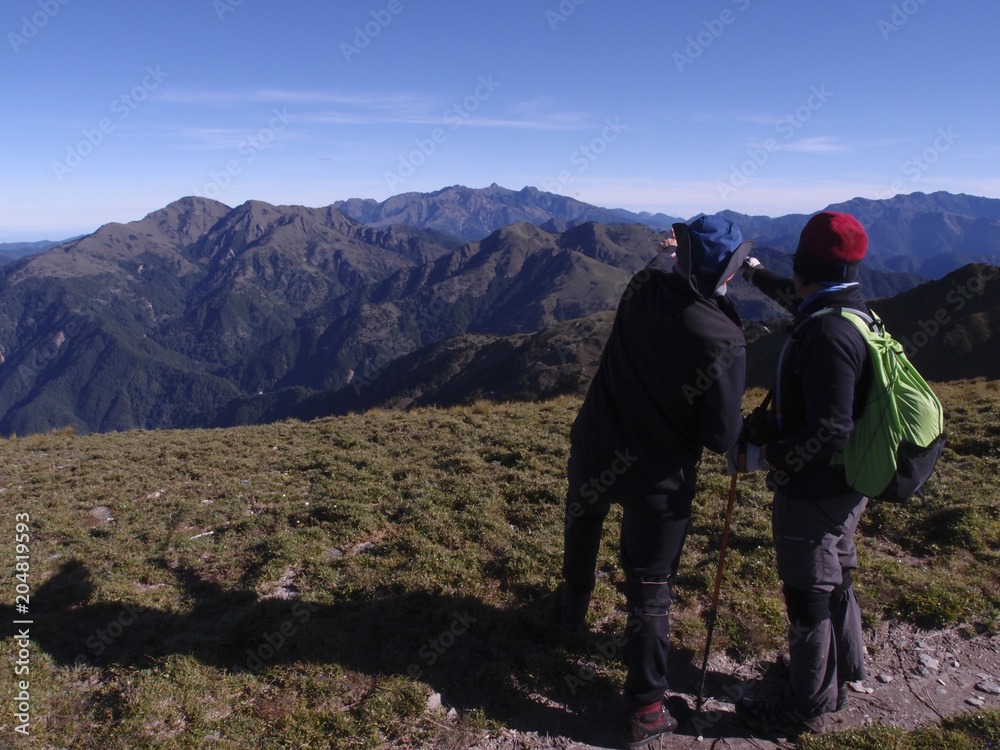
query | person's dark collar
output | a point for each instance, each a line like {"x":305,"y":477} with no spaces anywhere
{"x":823,"y":295}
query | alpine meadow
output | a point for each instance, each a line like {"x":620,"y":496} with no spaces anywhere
{"x":281,"y":477}
{"x":561,"y":375}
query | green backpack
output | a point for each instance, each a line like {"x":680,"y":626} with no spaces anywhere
{"x":899,"y":435}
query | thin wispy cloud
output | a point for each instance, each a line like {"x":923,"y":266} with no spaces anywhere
{"x":450,"y":119}
{"x":756,"y":119}
{"x":816,"y":145}
{"x":208,"y":138}
{"x":285,"y":96}
{"x":371,"y":108}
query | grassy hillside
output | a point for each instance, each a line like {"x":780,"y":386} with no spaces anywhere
{"x":320,"y":584}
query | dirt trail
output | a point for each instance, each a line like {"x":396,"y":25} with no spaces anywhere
{"x":914,"y":676}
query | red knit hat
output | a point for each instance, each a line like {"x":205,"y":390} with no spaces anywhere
{"x":831,"y":247}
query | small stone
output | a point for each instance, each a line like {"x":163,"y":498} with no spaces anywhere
{"x":334,"y":553}
{"x":941,"y":682}
{"x":885,"y":678}
{"x":859,"y":687}
{"x":929,"y":662}
{"x":988,"y":687}
{"x":977,"y":702}
{"x":434,"y":701}
{"x":102,"y":514}
{"x":955,"y":664}
{"x":453,"y":713}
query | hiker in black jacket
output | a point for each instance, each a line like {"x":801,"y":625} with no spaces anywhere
{"x":822,"y":382}
{"x":670,"y":382}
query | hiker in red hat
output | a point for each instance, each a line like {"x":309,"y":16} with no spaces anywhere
{"x":823,"y":379}
{"x":670,"y":383}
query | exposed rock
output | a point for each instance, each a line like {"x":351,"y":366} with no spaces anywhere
{"x":989,"y":687}
{"x":102,"y":514}
{"x":929,"y":662}
{"x":285,"y":588}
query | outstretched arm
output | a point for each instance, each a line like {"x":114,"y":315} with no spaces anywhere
{"x":775,"y":286}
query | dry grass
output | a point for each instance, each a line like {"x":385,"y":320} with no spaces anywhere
{"x":311,"y":584}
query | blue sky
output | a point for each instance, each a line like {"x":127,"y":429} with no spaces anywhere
{"x":114,"y":109}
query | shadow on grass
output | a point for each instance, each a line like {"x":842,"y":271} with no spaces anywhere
{"x":514,"y":665}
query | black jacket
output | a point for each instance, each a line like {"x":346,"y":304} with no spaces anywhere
{"x":823,"y":379}
{"x":670,"y":382}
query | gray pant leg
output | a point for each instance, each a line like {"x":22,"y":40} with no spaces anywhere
{"x":844,"y":608}
{"x":845,"y":616}
{"x":814,"y":544}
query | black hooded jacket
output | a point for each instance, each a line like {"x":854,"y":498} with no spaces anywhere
{"x":670,"y":382}
{"x":823,"y":378}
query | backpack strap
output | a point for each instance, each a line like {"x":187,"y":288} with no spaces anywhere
{"x":872,"y":321}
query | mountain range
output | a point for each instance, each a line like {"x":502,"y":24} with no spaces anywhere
{"x":201,"y":314}
{"x":11,"y":251}
{"x":949,"y":328}
{"x":475,"y":213}
{"x":925,"y":234}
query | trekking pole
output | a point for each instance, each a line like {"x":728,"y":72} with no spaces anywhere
{"x":715,"y":596}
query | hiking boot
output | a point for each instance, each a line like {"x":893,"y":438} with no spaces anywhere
{"x":775,"y":717}
{"x":648,"y":723}
{"x":573,"y":608}
{"x":783,"y":668}
{"x":783,"y":665}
